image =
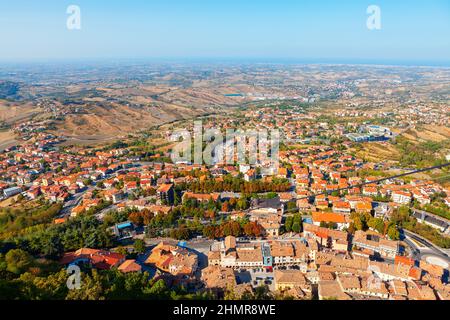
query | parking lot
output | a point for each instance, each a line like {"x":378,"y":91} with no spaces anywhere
{"x":256,"y":277}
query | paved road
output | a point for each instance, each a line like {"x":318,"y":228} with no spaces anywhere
{"x":200,"y":245}
{"x":100,"y":215}
{"x":73,"y":202}
{"x":426,"y":248}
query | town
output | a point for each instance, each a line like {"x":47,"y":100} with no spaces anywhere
{"x":332,"y":222}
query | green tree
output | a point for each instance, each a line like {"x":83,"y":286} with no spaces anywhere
{"x":139,"y":246}
{"x":91,"y":288}
{"x":18,"y":260}
{"x":288,"y":224}
{"x":393,"y":233}
{"x":296,"y":227}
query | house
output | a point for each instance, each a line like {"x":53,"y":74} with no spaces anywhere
{"x":331,"y":289}
{"x":9,"y":192}
{"x":287,"y":197}
{"x":130,"y":186}
{"x":173,"y":259}
{"x":250,"y":175}
{"x":363,"y":207}
{"x":114,"y":195}
{"x":375,"y":242}
{"x":341,"y":221}
{"x":289,"y":279}
{"x":349,"y":283}
{"x":130,"y":265}
{"x":401,"y":197}
{"x":156,"y":209}
{"x":59,"y":220}
{"x":328,"y":238}
{"x":422,"y":198}
{"x":124,"y":230}
{"x":218,"y":279}
{"x":213,"y":258}
{"x":33,"y":193}
{"x":166,"y":193}
{"x":99,"y":259}
{"x":432,"y":220}
{"x":322,"y":204}
{"x":341,"y":207}
{"x":283,"y":172}
{"x":370,"y":191}
{"x":244,"y":255}
{"x":303,"y":205}
{"x":270,"y":228}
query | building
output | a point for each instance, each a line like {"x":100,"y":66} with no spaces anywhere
{"x":9,"y":192}
{"x":173,"y":259}
{"x":267,"y":254}
{"x":401,"y":197}
{"x":124,"y":230}
{"x":375,"y":242}
{"x":436,"y":222}
{"x":166,"y":193}
{"x":130,"y":266}
{"x":99,"y":259}
{"x":289,"y":279}
{"x":328,"y":238}
{"x":341,"y":221}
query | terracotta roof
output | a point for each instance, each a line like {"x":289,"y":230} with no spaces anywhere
{"x":165,"y":187}
{"x":329,"y":217}
{"x":130,"y":266}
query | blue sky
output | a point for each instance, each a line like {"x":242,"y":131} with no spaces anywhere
{"x":412,"y":30}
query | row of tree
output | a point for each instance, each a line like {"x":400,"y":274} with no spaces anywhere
{"x":233,"y":228}
{"x":239,"y":185}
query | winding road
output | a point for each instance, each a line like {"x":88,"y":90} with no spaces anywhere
{"x":423,"y":249}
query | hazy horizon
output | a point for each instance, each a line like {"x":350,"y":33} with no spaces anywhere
{"x":229,"y":61}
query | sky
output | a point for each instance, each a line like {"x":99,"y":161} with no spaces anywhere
{"x":315,"y":30}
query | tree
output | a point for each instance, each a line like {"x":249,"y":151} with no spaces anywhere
{"x":91,"y":288}
{"x":122,"y":250}
{"x":296,"y":227}
{"x":291,"y":206}
{"x":18,"y":260}
{"x":262,"y":293}
{"x":139,"y":246}
{"x":288,"y":224}
{"x":209,"y":232}
{"x":376,"y":224}
{"x":393,"y":233}
{"x":297,"y":223}
{"x":253,"y":229}
{"x":158,"y":289}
